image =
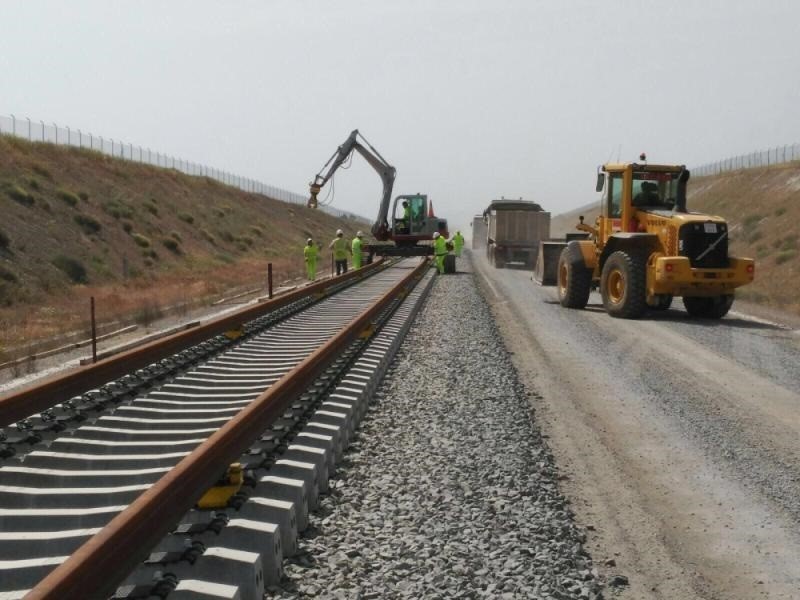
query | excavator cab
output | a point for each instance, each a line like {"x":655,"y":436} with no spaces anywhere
{"x":413,"y":220}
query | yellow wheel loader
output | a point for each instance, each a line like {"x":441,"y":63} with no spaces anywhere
{"x":647,"y":248}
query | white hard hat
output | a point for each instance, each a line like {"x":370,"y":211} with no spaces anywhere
{"x":339,"y":232}
{"x":359,"y":234}
{"x":435,"y":234}
{"x":309,"y":241}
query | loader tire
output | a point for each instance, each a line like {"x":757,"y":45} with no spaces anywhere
{"x":574,"y":279}
{"x":714,"y":307}
{"x":623,"y":284}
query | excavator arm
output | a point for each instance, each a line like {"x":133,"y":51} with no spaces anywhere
{"x":387,"y":173}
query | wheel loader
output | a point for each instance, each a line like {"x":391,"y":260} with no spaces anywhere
{"x":646,"y":248}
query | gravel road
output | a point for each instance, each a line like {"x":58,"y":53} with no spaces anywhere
{"x":680,"y":438}
{"x":450,"y":490}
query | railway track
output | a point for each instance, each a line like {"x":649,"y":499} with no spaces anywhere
{"x":100,"y":494}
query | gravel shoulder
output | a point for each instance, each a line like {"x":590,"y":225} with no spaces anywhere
{"x":679,"y":437}
{"x":449,"y":491}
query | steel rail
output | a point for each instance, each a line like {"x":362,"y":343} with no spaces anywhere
{"x":45,"y":394}
{"x":97,"y":567}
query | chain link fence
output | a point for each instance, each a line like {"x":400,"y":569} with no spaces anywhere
{"x":39,"y":131}
{"x":762,"y":158}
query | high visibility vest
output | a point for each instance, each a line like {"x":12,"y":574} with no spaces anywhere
{"x":440,"y":246}
{"x":339,"y":246}
{"x":458,"y":240}
{"x":310,"y":253}
{"x":356,"y":246}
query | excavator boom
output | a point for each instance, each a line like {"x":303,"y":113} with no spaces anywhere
{"x":387,"y":173}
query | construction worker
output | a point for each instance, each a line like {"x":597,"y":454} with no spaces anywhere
{"x":439,"y":251}
{"x":406,"y":217}
{"x":310,"y":252}
{"x":356,"y":250}
{"x":340,"y":250}
{"x":458,"y":243}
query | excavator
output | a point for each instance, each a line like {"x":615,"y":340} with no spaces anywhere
{"x":412,"y":219}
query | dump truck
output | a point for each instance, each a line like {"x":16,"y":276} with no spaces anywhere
{"x":478,"y":232}
{"x":514,"y":230}
{"x":646,"y":248}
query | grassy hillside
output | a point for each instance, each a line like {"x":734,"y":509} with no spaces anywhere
{"x":763,"y":208}
{"x":75,"y":223}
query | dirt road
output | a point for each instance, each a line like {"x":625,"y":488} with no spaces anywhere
{"x":679,"y":439}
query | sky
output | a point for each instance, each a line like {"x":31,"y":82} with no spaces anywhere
{"x":469,"y":100}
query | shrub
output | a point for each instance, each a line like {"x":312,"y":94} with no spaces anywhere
{"x":83,"y":196}
{"x":127,"y":226}
{"x":34,"y":184}
{"x":208,"y":237}
{"x":17,"y":194}
{"x":150,"y":253}
{"x":246,"y":240}
{"x":72,"y":268}
{"x":45,"y":205}
{"x":7,"y":275}
{"x":257,"y":230}
{"x":175,"y":235}
{"x":754,"y":236}
{"x":780,"y":210}
{"x":40,"y":170}
{"x":117,"y":209}
{"x":172,"y":245}
{"x":784,"y":256}
{"x":751,"y":220}
{"x":219,"y":213}
{"x":5,"y":242}
{"x":151,"y":208}
{"x":226,"y":236}
{"x":141,"y":240}
{"x":68,"y":197}
{"x":789,"y":242}
{"x":90,"y":225}
{"x":186,"y":217}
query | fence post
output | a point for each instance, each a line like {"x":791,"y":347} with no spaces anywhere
{"x":80,"y":139}
{"x":56,"y":128}
{"x":94,"y":333}
{"x":30,"y":139}
{"x":13,"y":124}
{"x":42,"y":122}
{"x":269,"y":280}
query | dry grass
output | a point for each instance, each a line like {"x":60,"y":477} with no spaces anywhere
{"x":204,"y":239}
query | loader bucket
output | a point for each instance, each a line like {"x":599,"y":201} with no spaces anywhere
{"x":546,"y":272}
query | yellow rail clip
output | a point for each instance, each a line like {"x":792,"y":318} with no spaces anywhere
{"x":219,"y":495}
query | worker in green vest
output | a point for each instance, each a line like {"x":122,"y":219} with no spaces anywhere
{"x":439,"y":251}
{"x":340,"y":250}
{"x":356,"y":249}
{"x":458,"y":243}
{"x":310,"y":252}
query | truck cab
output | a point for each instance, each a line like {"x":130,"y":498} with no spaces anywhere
{"x":413,"y":220}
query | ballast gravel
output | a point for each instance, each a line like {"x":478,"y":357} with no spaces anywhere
{"x":449,"y":490}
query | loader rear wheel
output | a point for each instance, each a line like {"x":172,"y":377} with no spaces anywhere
{"x":714,"y":307}
{"x":622,"y":284}
{"x":574,"y":279}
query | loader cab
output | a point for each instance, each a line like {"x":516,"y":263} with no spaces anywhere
{"x":630,"y":188}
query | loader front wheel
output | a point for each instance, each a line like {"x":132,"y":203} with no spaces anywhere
{"x":574,"y":279}
{"x":622,"y":284}
{"x":714,"y":307}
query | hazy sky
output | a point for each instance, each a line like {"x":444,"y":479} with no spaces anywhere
{"x":469,"y":100}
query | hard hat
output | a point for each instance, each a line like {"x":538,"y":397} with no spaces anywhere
{"x":339,"y":232}
{"x":359,"y":234}
{"x":309,"y":241}
{"x":435,"y":234}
